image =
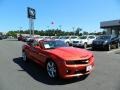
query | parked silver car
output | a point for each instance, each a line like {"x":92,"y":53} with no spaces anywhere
{"x":84,"y":41}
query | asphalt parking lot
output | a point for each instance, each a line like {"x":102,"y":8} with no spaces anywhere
{"x":17,"y":75}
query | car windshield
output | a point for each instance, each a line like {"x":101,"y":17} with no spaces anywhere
{"x":73,"y":37}
{"x":104,"y":37}
{"x":54,"y":44}
{"x":56,"y":37}
{"x":40,"y":37}
{"x":64,"y":37}
{"x":83,"y":37}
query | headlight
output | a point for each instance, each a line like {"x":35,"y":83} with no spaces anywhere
{"x":105,"y":42}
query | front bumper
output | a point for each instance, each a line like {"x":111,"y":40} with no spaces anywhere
{"x":99,"y":46}
{"x":70,"y":71}
{"x":78,"y":44}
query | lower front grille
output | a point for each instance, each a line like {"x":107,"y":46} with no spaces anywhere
{"x":75,"y":41}
{"x":81,"y":71}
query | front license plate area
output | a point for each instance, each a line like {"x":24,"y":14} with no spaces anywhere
{"x":89,"y":68}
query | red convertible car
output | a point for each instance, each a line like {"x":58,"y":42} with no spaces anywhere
{"x":58,"y":59}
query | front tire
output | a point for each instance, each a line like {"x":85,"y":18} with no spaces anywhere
{"x":109,"y":47}
{"x":85,"y":45}
{"x":51,"y":69}
{"x":68,"y":44}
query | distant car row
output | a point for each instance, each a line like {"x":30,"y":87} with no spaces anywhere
{"x":28,"y":38}
{"x":106,"y":42}
{"x":3,"y":37}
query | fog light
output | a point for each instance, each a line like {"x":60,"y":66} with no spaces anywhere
{"x":68,"y":71}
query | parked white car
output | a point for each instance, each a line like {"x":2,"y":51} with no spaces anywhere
{"x":68,"y":39}
{"x":84,"y":41}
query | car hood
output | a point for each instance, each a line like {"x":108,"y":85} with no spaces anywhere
{"x":76,"y":40}
{"x":79,"y":39}
{"x":70,"y":53}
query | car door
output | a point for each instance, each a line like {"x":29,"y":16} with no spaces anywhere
{"x":31,"y":50}
{"x":38,"y":53}
{"x":114,"y":40}
{"x":28,"y":50}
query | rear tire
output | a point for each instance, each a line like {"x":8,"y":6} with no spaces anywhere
{"x":24,"y":57}
{"x":118,"y":45}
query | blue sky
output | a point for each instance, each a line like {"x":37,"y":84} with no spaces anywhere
{"x":86,"y":14}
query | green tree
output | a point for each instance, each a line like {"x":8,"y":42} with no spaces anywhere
{"x":12,"y":33}
{"x":78,"y":30}
{"x":85,"y":33}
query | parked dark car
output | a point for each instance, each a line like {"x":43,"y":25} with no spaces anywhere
{"x":20,"y":38}
{"x":0,"y":37}
{"x":4,"y":36}
{"x":106,"y":42}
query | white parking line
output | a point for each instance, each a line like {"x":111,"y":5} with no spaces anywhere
{"x":112,"y":51}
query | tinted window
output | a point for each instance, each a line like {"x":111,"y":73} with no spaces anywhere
{"x":91,"y":37}
{"x":73,"y":37}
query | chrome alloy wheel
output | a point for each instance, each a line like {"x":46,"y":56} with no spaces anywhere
{"x":51,"y":69}
{"x":109,"y":47}
{"x":85,"y":45}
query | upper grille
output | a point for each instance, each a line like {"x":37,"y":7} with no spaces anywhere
{"x":86,"y":61}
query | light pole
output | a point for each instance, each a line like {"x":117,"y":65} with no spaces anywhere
{"x":73,"y":30}
{"x":20,"y":29}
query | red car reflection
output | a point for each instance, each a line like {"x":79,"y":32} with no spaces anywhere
{"x":58,"y":59}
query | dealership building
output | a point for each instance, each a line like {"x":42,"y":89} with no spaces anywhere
{"x":111,"y":27}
